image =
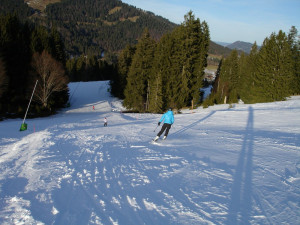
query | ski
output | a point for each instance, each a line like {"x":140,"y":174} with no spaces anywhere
{"x":157,"y":141}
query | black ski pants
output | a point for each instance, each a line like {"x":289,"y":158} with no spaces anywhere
{"x":166,"y":127}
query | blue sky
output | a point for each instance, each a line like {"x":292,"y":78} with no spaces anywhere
{"x":231,"y":20}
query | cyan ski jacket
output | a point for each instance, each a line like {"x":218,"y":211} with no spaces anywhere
{"x":168,"y":117}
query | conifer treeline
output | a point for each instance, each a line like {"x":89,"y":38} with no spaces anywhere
{"x":26,"y":53}
{"x":89,"y":68}
{"x":269,"y":74}
{"x":153,"y":76}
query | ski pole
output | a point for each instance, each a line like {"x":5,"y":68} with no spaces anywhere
{"x":155,"y":128}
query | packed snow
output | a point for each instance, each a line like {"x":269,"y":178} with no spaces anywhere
{"x":226,"y":164}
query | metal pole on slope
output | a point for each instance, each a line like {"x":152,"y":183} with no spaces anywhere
{"x":24,"y":125}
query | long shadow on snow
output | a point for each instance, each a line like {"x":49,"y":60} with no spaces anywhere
{"x":192,"y":124}
{"x":240,"y":207}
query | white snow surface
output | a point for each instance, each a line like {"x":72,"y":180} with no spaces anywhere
{"x":220,"y":165}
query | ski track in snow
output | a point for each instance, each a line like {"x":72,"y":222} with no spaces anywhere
{"x":218,"y":166}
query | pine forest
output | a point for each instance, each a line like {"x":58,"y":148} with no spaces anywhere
{"x":265,"y":75}
{"x":29,"y":53}
{"x":163,"y":74}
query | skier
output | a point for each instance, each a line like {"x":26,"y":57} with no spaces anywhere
{"x":105,"y":122}
{"x":168,"y":119}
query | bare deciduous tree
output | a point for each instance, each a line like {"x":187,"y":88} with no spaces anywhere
{"x":51,"y":76}
{"x":3,"y":78}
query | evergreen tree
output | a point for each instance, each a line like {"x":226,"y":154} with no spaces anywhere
{"x":155,"y":94}
{"x":138,"y":80}
{"x":248,"y":70}
{"x":156,"y":103}
{"x":268,"y":74}
{"x":182,"y":92}
{"x":186,"y":59}
{"x":243,"y":75}
{"x":18,"y":42}
{"x":3,"y":78}
{"x":80,"y":68}
{"x":294,"y":42}
{"x":215,"y":96}
{"x":174,"y":76}
{"x":71,"y":69}
{"x":51,"y":41}
{"x":196,"y":42}
{"x":119,"y":81}
{"x":40,"y":40}
{"x":14,"y":44}
{"x":228,"y":79}
{"x":176,"y":80}
{"x":205,"y":43}
{"x":57,"y":46}
{"x":233,"y":77}
{"x":275,"y":69}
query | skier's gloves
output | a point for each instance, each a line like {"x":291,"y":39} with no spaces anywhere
{"x":158,"y":123}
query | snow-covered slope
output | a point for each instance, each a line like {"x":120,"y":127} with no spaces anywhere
{"x":219,"y":165}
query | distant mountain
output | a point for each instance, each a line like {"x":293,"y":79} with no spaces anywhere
{"x":217,"y":49}
{"x":224,"y":44}
{"x":241,"y":45}
{"x":238,"y":45}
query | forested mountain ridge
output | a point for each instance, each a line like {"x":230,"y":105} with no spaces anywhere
{"x":87,"y":25}
{"x":90,"y":27}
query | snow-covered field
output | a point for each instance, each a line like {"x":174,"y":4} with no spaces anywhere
{"x":220,"y":165}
